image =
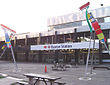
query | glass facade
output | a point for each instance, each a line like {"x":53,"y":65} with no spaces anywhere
{"x":84,"y":23}
{"x":107,"y":19}
{"x":80,"y":23}
{"x":68,"y":25}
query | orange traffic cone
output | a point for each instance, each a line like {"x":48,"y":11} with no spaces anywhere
{"x":45,"y":69}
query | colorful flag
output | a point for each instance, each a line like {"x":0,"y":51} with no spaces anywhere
{"x":96,"y":27}
{"x":4,"y":46}
{"x":7,"y":39}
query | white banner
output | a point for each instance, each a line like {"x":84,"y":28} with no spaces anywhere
{"x":78,"y":45}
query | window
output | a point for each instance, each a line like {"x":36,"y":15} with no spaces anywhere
{"x":84,"y":23}
{"x":107,"y":19}
{"x":100,"y":20}
{"x":66,"y":25}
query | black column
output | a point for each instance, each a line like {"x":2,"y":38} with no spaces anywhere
{"x":39,"y":39}
{"x":100,"y":52}
{"x":56,"y":38}
{"x":76,"y":50}
{"x":56,"y":51}
{"x":15,"y":48}
{"x":26,"y":40}
{"x":76,"y":56}
{"x":15,"y":44}
{"x":26,"y":55}
{"x":26,"y":49}
{"x":39,"y":52}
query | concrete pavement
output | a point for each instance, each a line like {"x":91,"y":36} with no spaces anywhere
{"x":70,"y":76}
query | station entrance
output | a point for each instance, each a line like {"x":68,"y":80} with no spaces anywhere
{"x":65,"y":52}
{"x":78,"y":56}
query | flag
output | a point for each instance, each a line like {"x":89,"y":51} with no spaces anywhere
{"x":96,"y":27}
{"x":4,"y":46}
{"x":7,"y":37}
{"x":7,"y":40}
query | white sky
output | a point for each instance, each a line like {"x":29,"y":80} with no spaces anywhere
{"x":31,"y":15}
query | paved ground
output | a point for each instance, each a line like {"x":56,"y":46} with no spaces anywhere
{"x":70,"y":76}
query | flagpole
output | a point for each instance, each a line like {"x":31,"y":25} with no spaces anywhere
{"x":16,"y":67}
{"x":88,"y":55}
{"x":106,"y":48}
{"x":3,"y":52}
{"x":93,"y":35}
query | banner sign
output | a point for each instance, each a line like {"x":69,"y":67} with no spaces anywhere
{"x":78,"y":45}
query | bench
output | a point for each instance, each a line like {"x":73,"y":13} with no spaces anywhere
{"x":101,"y":67}
{"x":26,"y":83}
{"x":60,"y":83}
{"x":22,"y":83}
{"x":36,"y":78}
{"x":59,"y":66}
{"x":57,"y":82}
{"x":74,"y":65}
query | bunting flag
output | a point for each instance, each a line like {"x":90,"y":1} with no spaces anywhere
{"x":7,"y":39}
{"x":96,"y":27}
{"x":4,"y":46}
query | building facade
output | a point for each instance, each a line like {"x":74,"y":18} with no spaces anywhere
{"x":66,"y":29}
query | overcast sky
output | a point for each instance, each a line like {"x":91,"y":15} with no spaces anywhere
{"x":31,"y":15}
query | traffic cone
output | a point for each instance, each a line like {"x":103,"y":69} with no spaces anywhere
{"x":45,"y":69}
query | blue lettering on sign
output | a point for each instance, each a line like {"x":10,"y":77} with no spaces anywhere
{"x":55,"y":46}
{"x":66,"y":46}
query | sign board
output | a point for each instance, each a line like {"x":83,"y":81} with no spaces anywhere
{"x":61,"y":46}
